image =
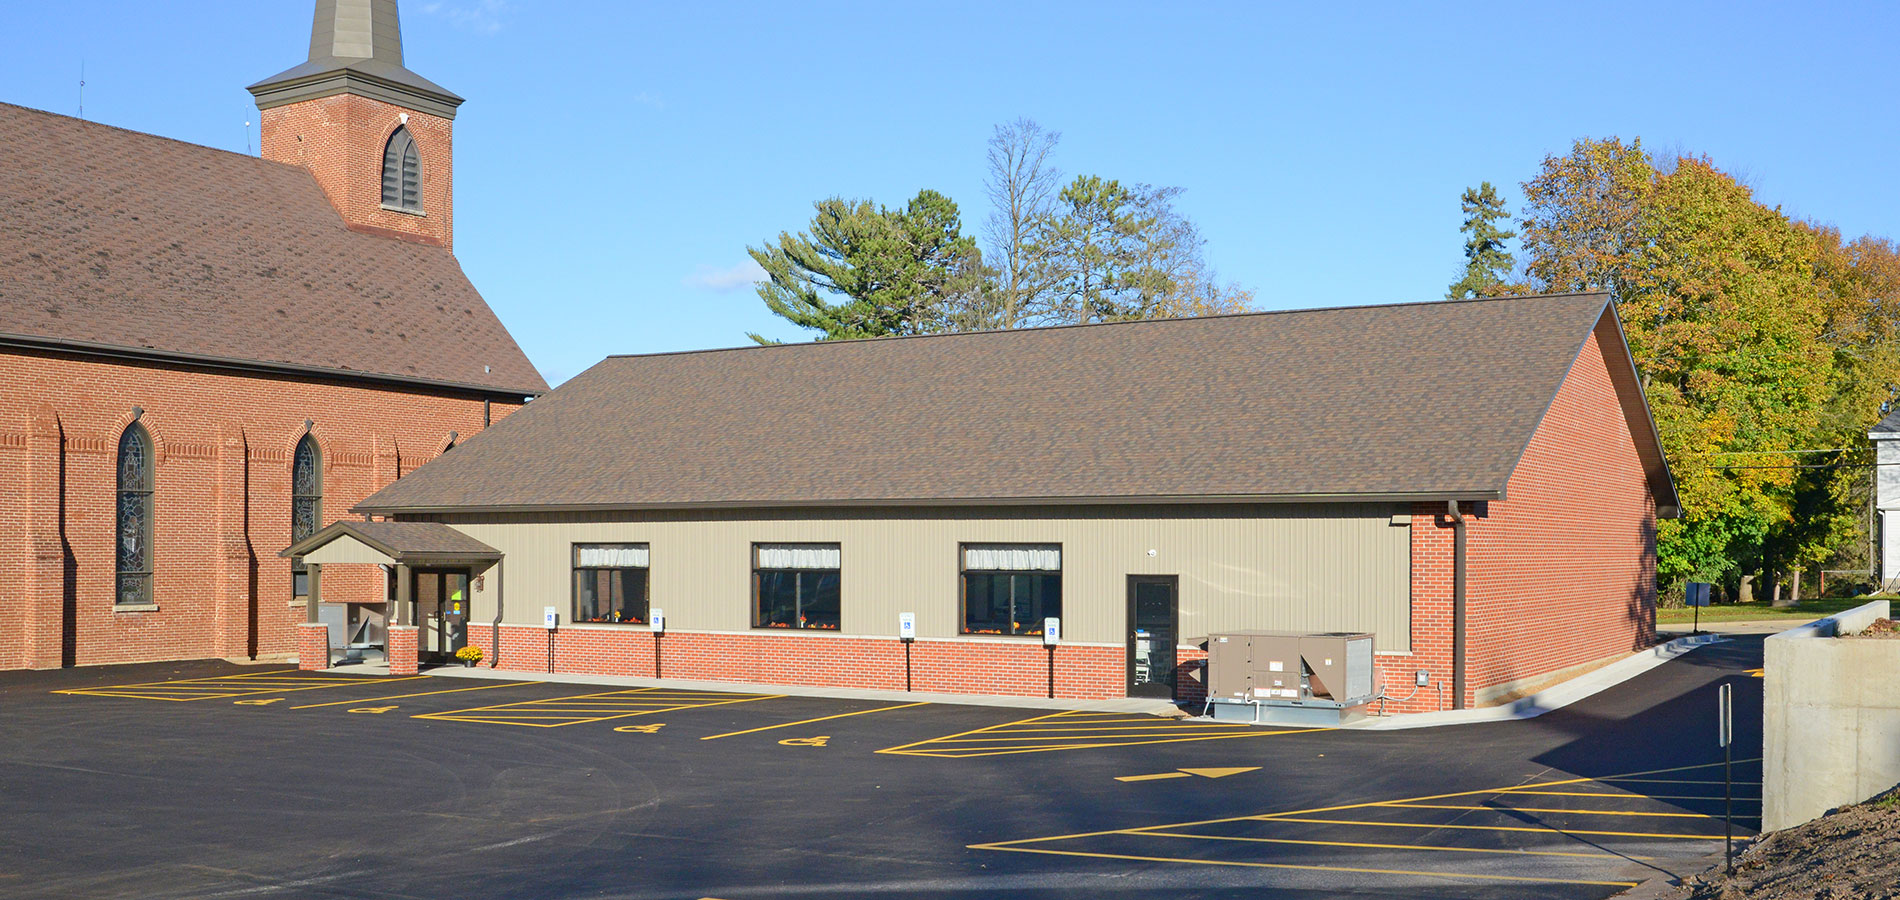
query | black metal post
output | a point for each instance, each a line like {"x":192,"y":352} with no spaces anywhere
{"x":1052,"y":671}
{"x":1728,"y":809}
{"x":656,"y":653}
{"x":550,"y":653}
{"x":906,"y":666}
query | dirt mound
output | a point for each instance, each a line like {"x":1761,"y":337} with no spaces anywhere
{"x":1852,"y":853}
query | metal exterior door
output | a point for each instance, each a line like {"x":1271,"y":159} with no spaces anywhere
{"x":1154,"y":626}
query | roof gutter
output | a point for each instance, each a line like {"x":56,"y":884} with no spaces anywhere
{"x":367,"y":508}
{"x":147,"y":354}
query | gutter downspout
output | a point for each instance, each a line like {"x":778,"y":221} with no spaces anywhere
{"x":1457,"y":605}
{"x":494,"y":660}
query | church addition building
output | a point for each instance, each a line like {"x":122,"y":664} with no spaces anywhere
{"x":205,"y":356}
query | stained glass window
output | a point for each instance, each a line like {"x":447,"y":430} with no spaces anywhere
{"x":134,"y":534}
{"x":306,"y":507}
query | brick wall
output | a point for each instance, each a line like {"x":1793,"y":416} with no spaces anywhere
{"x":1566,"y":568}
{"x":341,"y":139}
{"x":1561,"y":573}
{"x":222,"y":446}
{"x":1012,"y":668}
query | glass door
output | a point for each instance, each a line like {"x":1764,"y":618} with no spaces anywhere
{"x":441,"y":612}
{"x":1153,"y":628}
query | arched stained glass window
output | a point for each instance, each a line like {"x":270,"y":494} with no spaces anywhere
{"x":306,"y":506}
{"x":402,"y":173}
{"x":134,"y":534}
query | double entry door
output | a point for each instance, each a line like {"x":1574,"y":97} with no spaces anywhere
{"x":440,"y":600}
{"x":1154,"y":627}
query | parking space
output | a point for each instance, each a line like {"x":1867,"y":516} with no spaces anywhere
{"x":340,"y":785}
{"x":1591,"y":832}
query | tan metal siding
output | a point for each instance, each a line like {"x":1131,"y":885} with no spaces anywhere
{"x":1320,"y":568}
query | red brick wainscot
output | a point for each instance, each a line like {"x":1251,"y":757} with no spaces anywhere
{"x":998,"y":667}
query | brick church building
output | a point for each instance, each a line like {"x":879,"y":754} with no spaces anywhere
{"x":206,"y":355}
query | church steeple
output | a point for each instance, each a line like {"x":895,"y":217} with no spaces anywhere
{"x":376,"y":136}
{"x":356,"y":47}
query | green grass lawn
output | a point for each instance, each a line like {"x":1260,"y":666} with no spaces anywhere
{"x":1806,"y":610}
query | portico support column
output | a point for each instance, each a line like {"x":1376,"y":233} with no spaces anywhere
{"x":313,"y":637}
{"x":401,"y":645}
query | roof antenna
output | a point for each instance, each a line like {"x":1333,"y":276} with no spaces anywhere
{"x":247,"y":137}
{"x":82,"y":87}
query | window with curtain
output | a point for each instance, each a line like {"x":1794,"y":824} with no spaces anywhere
{"x":796,"y":586}
{"x":402,"y":172}
{"x":1010,"y":588}
{"x":610,"y":583}
{"x":134,"y":533}
{"x":306,"y":506}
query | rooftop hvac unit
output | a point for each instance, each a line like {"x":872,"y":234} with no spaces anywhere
{"x":1289,"y":677}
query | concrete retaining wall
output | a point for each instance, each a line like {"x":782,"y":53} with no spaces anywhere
{"x":1831,"y":717}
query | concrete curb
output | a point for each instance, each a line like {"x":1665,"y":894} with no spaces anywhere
{"x":1555,"y":697}
{"x":1129,"y":705}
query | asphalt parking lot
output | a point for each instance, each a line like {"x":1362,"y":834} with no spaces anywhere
{"x":208,"y":780}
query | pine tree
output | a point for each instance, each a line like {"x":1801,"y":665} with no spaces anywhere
{"x":1487,"y":263}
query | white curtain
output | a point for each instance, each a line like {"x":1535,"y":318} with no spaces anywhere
{"x":799,"y":556}
{"x":1013,"y":557}
{"x":613,"y":556}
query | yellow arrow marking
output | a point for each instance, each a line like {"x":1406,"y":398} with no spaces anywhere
{"x":1156,"y":777}
{"x":372,"y":709}
{"x":1221,"y":773}
{"x":818,"y":741}
{"x":641,"y":729}
{"x":257,"y":702}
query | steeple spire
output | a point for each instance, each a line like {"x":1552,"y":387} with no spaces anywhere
{"x":356,"y":29}
{"x":356,"y":48}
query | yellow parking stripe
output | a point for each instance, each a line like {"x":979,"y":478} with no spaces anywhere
{"x":220,"y":688}
{"x":1624,"y":796}
{"x":556,"y":712}
{"x":1267,"y":865}
{"x":1641,"y":834}
{"x":1510,"y":851}
{"x":861,"y":712}
{"x":1077,"y":730}
{"x":1533,"y":809}
{"x":486,"y":687}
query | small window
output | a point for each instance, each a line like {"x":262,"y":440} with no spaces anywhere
{"x":795,"y":586}
{"x":306,"y":507}
{"x":134,"y":550}
{"x":1010,"y":588}
{"x":402,"y":173}
{"x":610,"y":583}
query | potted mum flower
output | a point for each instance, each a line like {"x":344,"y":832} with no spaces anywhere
{"x":469,"y":655}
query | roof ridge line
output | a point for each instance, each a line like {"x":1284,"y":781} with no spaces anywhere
{"x":1078,"y":325}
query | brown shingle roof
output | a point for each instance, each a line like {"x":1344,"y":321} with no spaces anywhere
{"x":1417,"y":400}
{"x":401,"y":541}
{"x":114,"y":238}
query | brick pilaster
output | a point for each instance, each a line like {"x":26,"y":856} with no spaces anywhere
{"x":402,"y":650}
{"x":313,"y":646}
{"x":232,"y":599}
{"x":45,"y":588}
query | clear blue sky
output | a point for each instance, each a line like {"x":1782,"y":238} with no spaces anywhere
{"x":614,"y":159}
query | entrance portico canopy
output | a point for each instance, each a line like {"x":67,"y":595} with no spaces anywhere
{"x":405,"y":545}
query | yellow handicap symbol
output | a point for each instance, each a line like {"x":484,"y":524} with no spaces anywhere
{"x":642,"y":729}
{"x":818,"y":741}
{"x":372,"y":709}
{"x":257,"y":702}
